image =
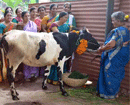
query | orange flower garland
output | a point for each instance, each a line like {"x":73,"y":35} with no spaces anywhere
{"x":74,"y":31}
{"x":82,"y":46}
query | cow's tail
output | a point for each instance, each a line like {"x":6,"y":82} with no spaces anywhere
{"x":3,"y":65}
{"x":2,"y":40}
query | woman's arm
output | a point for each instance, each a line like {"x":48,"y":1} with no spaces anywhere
{"x":43,"y":27}
{"x":54,"y":29}
{"x":44,"y":23}
{"x":0,"y":36}
{"x":108,"y":46}
{"x":1,"y":31}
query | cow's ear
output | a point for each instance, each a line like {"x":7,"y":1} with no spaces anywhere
{"x":87,"y":30}
{"x":84,"y":30}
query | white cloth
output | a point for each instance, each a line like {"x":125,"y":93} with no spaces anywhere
{"x":71,"y":19}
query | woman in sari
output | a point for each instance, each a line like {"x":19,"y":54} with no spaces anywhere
{"x":33,"y":14}
{"x":49,"y":19}
{"x":29,"y":72}
{"x":18,"y":18}
{"x":115,"y":55}
{"x":71,"y":19}
{"x":38,"y":23}
{"x":58,"y":26}
{"x":5,"y":26}
{"x":41,"y":10}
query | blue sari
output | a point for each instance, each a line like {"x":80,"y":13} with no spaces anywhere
{"x":53,"y":77}
{"x":112,"y":64}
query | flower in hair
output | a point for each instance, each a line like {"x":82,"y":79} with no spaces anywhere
{"x":126,"y":17}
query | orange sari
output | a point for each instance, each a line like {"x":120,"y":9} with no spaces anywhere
{"x":48,"y":21}
{"x":3,"y":60}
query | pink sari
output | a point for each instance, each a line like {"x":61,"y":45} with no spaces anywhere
{"x":38,"y":23}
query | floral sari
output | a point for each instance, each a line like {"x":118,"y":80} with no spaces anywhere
{"x":38,"y":23}
{"x":3,"y":60}
{"x":113,"y":63}
{"x":16,"y":20}
{"x":48,"y":21}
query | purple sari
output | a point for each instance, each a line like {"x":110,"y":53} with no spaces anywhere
{"x":28,"y":70}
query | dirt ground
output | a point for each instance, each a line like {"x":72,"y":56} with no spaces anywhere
{"x":32,"y":94}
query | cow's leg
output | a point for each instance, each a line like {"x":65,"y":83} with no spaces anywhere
{"x":11,"y":69}
{"x":46,"y":73}
{"x":60,"y":72}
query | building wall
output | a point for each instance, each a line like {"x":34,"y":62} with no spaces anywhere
{"x":41,"y":1}
{"x":92,"y":15}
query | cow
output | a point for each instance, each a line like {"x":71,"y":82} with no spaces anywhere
{"x":41,"y":49}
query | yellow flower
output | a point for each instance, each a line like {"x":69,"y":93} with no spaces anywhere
{"x":77,"y":32}
{"x":126,"y":16}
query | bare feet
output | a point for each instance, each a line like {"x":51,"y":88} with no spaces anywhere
{"x":117,"y":96}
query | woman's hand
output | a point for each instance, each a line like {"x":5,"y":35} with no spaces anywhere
{"x":0,"y":36}
{"x":43,"y":28}
{"x":125,"y":43}
{"x":100,"y":49}
{"x":20,"y":24}
{"x":108,"y":46}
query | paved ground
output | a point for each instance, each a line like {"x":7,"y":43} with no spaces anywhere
{"x":32,"y":94}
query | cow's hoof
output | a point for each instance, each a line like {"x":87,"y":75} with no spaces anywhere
{"x":44,"y":87}
{"x":65,"y":94}
{"x":15,"y":98}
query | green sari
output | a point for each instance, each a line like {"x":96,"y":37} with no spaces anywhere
{"x":53,"y":77}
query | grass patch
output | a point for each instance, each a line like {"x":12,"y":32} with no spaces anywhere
{"x":89,"y":95}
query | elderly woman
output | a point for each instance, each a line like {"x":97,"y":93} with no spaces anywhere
{"x":18,"y":18}
{"x":115,"y":56}
{"x":50,"y":18}
{"x":29,"y":72}
{"x":58,"y":26}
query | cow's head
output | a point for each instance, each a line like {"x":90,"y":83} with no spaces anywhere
{"x":92,"y":42}
{"x":86,"y":42}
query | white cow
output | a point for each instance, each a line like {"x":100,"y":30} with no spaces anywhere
{"x":41,"y":49}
